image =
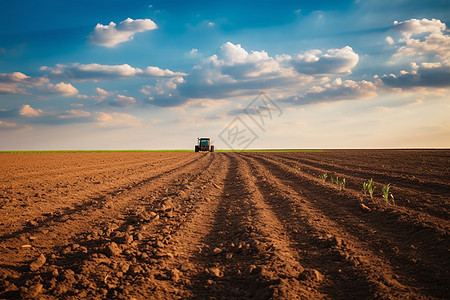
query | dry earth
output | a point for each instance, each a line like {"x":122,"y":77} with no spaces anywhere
{"x":224,"y":225}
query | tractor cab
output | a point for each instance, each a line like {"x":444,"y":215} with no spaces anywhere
{"x":204,"y":144}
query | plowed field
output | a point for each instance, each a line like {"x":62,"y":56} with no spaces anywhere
{"x":238,"y":225}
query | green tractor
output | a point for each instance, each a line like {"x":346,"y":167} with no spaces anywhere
{"x":204,"y":144}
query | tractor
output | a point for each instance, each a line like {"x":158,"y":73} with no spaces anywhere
{"x":203,"y":144}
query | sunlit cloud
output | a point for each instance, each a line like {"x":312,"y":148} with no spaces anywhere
{"x":123,"y":101}
{"x":63,"y":89}
{"x":73,"y":113}
{"x":117,"y":120}
{"x":334,"y":61}
{"x":4,"y":124}
{"x":422,"y":38}
{"x":112,"y":35}
{"x":338,"y":90}
{"x":28,"y":111}
{"x":425,"y":75}
{"x":96,"y":72}
{"x":15,"y":83}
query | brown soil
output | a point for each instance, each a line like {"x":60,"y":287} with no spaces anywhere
{"x":224,"y":225}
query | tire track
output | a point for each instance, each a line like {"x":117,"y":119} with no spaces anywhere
{"x":246,"y":252}
{"x":176,"y":265}
{"x":417,"y":265}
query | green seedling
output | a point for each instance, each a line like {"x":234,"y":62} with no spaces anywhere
{"x":386,"y":194}
{"x":368,"y":187}
{"x":339,"y":183}
{"x":333,"y":181}
{"x":324,"y":177}
{"x":342,"y":184}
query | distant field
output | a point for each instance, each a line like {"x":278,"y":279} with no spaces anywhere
{"x":176,"y":150}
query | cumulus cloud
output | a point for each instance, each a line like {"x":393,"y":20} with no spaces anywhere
{"x":9,"y":83}
{"x":157,"y":72}
{"x":234,"y":71}
{"x":112,"y":35}
{"x":336,"y":91}
{"x":423,"y":75}
{"x":23,"y":111}
{"x":13,"y":77}
{"x":95,"y":72}
{"x":334,"y":61}
{"x":123,"y":101}
{"x":63,"y":89}
{"x":422,"y":38}
{"x":103,"y":92}
{"x":117,"y":120}
{"x":74,"y":113}
{"x":27,"y":111}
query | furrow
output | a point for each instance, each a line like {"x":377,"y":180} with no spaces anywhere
{"x":351,"y":269}
{"x":414,"y":255}
{"x":408,"y":192}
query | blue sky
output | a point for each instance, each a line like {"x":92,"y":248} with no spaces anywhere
{"x":158,"y":74}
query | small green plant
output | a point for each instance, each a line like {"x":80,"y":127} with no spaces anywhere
{"x":324,"y":177}
{"x":342,"y":184}
{"x":386,"y":194}
{"x":368,"y":187}
{"x":333,"y":181}
{"x":339,"y":183}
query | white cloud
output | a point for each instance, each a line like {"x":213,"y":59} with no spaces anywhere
{"x":193,"y":51}
{"x":234,"y":71}
{"x":112,"y":35}
{"x":27,"y":111}
{"x":4,"y":124}
{"x":64,"y":89}
{"x":334,"y":61}
{"x":336,"y":91}
{"x":123,"y":101}
{"x":73,"y":113}
{"x":17,"y":82}
{"x":103,"y":92}
{"x":95,"y":72}
{"x":422,"y":38}
{"x":390,"y":40}
{"x":9,"y":83}
{"x":157,"y":72}
{"x":13,"y":77}
{"x":425,"y":75}
{"x":11,"y":88}
{"x":117,"y":120}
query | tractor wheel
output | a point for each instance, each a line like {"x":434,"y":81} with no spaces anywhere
{"x":212,"y":148}
{"x":196,"y":149}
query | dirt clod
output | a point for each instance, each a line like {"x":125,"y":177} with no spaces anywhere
{"x":39,"y":262}
{"x":112,"y":249}
{"x":215,"y":272}
{"x":311,"y":275}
